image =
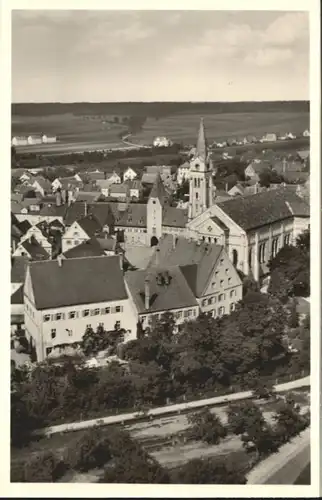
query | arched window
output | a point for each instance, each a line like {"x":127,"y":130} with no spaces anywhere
{"x":250,"y":257}
{"x":154,"y":241}
{"x":235,"y":257}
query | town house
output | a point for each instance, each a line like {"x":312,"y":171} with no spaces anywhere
{"x":80,"y":231}
{"x":63,"y":297}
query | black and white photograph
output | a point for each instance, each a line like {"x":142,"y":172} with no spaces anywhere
{"x":160,"y":244}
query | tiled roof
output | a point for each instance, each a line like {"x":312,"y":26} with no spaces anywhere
{"x":106,"y":242}
{"x":75,"y":211}
{"x":52,"y":211}
{"x":119,"y":189}
{"x":90,"y":248}
{"x":148,"y":178}
{"x":17,"y":297}
{"x":35,"y":250}
{"x":44,"y":183}
{"x":16,"y":197}
{"x":176,"y":295}
{"x":185,"y":254}
{"x":257,"y":210}
{"x":134,"y":215}
{"x":96,"y":175}
{"x":90,"y":225}
{"x":18,"y":269}
{"x":89,"y":196}
{"x":174,"y":217}
{"x":24,"y":226}
{"x":100,"y":280}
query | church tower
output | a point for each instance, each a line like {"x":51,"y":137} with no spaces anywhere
{"x":201,"y":186}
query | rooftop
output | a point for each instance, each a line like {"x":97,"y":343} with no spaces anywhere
{"x":35,"y":250}
{"x":18,"y":269}
{"x":90,"y":225}
{"x":176,"y":295}
{"x":90,"y":248}
{"x":259,"y":209}
{"x":101,"y":280}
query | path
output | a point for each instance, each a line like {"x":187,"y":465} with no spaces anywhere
{"x":163,"y":410}
{"x":285,"y":466}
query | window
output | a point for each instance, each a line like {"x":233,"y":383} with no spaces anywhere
{"x":262,"y":251}
{"x":227,"y":271}
{"x":68,"y":242}
{"x":287,"y":238}
{"x":190,"y":311}
{"x":89,"y":326}
{"x":221,"y":261}
{"x":235,"y":257}
{"x":210,"y":301}
{"x":85,"y":312}
{"x":185,"y":314}
{"x":76,"y":233}
{"x":197,"y":196}
{"x":46,"y":317}
{"x":221,"y":297}
{"x":117,"y":325}
{"x":221,"y":282}
{"x":178,"y":314}
{"x":232,"y":307}
{"x":204,"y":302}
{"x":229,"y":281}
{"x":48,"y":350}
{"x":53,"y":333}
{"x":221,"y":311}
{"x":213,"y":284}
{"x":194,"y":312}
{"x":118,"y":309}
{"x":106,"y":310}
{"x":72,"y":314}
{"x":76,"y":242}
{"x":95,"y":312}
{"x":153,"y":202}
{"x":232,"y":293}
{"x":101,"y":324}
{"x":216,"y":273}
{"x":70,"y":332}
{"x":274,"y":247}
{"x":59,"y":316}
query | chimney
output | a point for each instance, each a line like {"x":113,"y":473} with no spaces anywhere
{"x":147,"y":293}
{"x":60,"y":260}
{"x":174,"y":241}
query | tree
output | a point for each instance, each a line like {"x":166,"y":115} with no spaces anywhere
{"x":43,"y":467}
{"x":289,"y":421}
{"x":244,"y":415}
{"x":99,"y":340}
{"x":116,"y":119}
{"x":206,"y":426}
{"x":303,"y":241}
{"x":90,"y":451}
{"x":208,"y":471}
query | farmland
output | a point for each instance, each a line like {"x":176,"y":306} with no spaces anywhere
{"x":97,"y":126}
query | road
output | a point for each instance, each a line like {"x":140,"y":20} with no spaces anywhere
{"x":285,"y":466}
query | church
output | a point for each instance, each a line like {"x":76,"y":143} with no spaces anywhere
{"x":251,"y":228}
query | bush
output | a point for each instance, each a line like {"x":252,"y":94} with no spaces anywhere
{"x":88,"y":452}
{"x":207,"y":427}
{"x":43,"y":467}
{"x":208,"y":471}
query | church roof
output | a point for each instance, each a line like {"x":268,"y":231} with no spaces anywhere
{"x":201,"y":149}
{"x":259,"y":209}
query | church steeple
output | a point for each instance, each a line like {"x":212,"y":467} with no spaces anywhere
{"x":201,"y":149}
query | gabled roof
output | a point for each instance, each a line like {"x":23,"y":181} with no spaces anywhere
{"x":90,"y":225}
{"x":257,"y":210}
{"x":44,"y":183}
{"x":56,"y":222}
{"x":88,"y":196}
{"x":119,"y":189}
{"x":17,"y":297}
{"x":24,"y":226}
{"x":148,"y":178}
{"x":304,"y":155}
{"x":35,"y":250}
{"x":186,"y":253}
{"x":18,"y":269}
{"x":90,"y":248}
{"x":100,"y":280}
{"x":75,"y":211}
{"x":176,"y":295}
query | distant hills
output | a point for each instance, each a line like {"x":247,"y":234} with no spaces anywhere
{"x":156,"y":109}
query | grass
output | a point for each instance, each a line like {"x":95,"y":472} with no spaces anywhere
{"x":223,"y":125}
{"x":77,"y":129}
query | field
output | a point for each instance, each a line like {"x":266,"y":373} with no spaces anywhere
{"x":223,"y":126}
{"x":84,"y":128}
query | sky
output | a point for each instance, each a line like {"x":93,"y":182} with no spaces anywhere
{"x":107,"y":56}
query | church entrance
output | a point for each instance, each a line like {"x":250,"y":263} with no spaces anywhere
{"x":154,"y":241}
